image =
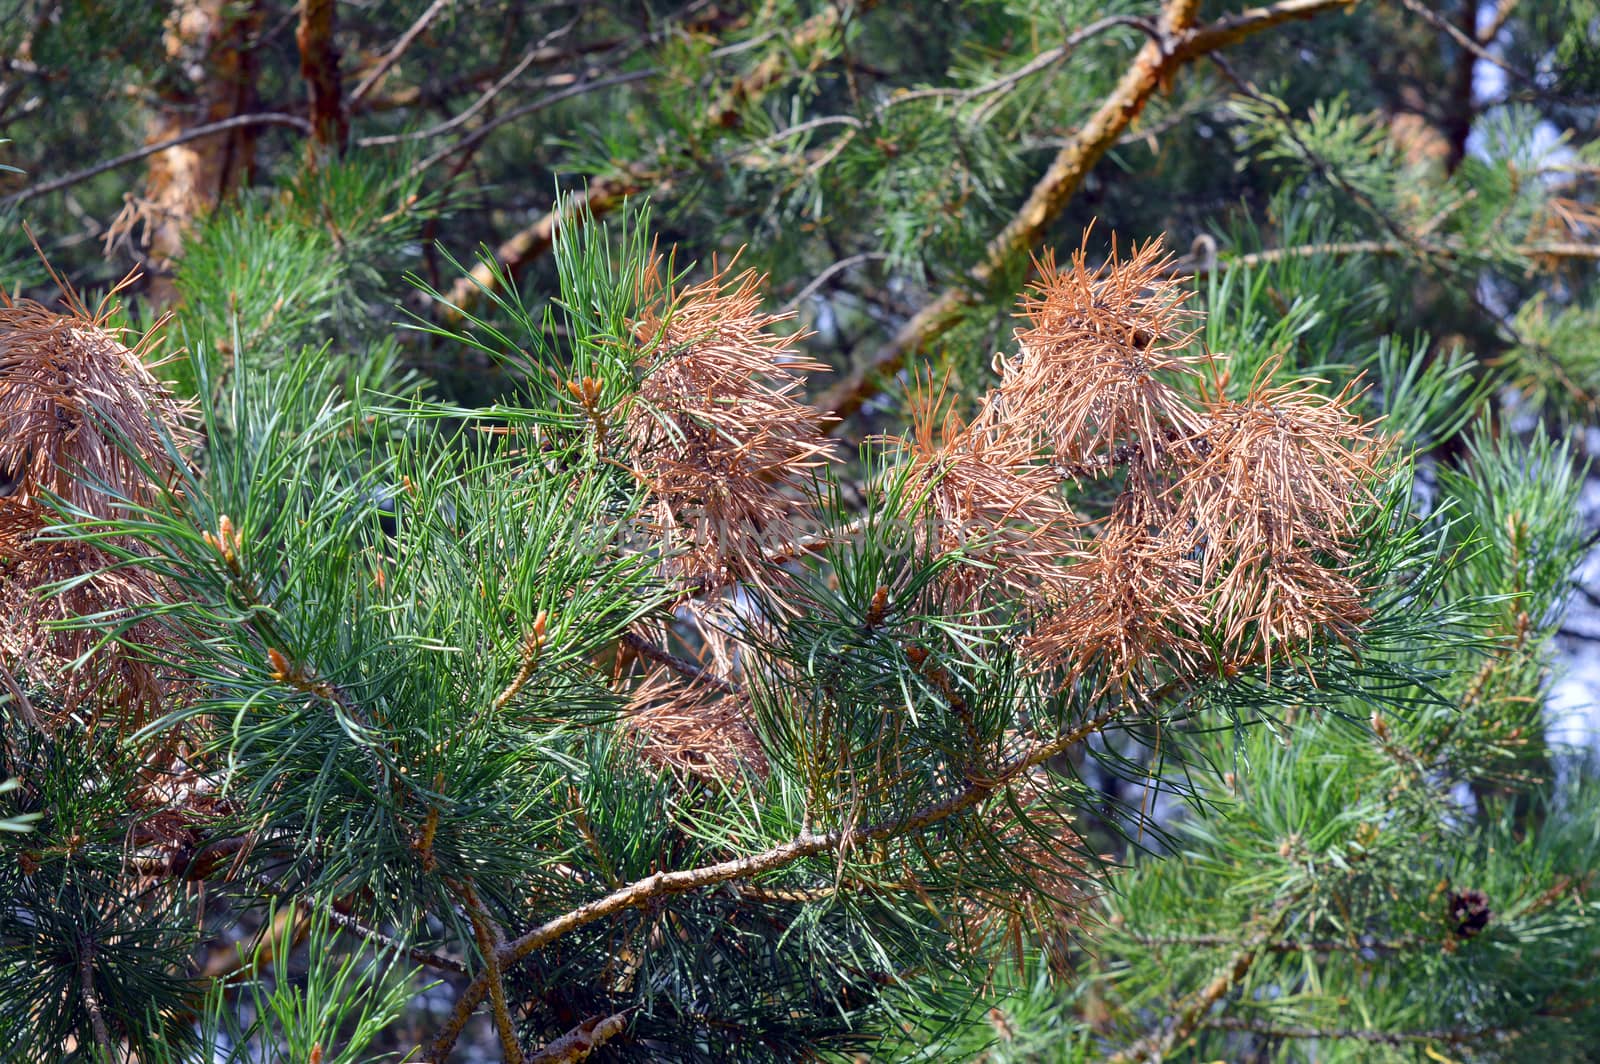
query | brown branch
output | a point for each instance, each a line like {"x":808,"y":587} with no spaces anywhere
{"x":579,"y":86}
{"x":582,"y":1040}
{"x":1497,"y":21}
{"x":346,"y":922}
{"x":541,"y":51}
{"x":607,"y":192}
{"x":1157,"y":1045}
{"x":1179,"y":42}
{"x":1465,"y":38}
{"x":421,"y":956}
{"x":490,"y":945}
{"x":91,"y":1000}
{"x":808,"y":844}
{"x":193,"y":867}
{"x":822,"y":278}
{"x":319,"y":65}
{"x":392,"y":56}
{"x":682,"y":666}
{"x":1043,"y":61}
{"x":1390,"y":248}
{"x":79,"y":176}
{"x":1394,"y":945}
{"x":521,"y":249}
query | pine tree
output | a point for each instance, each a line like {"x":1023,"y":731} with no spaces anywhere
{"x":1123,"y":655}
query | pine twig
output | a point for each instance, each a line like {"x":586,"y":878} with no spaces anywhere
{"x":490,"y":946}
{"x":607,"y":192}
{"x":91,"y":999}
{"x":353,"y":924}
{"x":541,"y":50}
{"x":1395,"y":945}
{"x":392,"y":56}
{"x":1192,"y":1015}
{"x":1467,"y":42}
{"x":1390,"y":248}
{"x":1447,"y":1036}
{"x":682,"y":666}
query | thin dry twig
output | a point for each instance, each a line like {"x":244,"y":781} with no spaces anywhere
{"x":271,"y":118}
{"x":392,"y":56}
{"x":606,"y":192}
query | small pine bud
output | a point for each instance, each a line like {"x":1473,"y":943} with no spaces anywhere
{"x":280,"y":664}
{"x":880,"y":605}
{"x":1380,"y":727}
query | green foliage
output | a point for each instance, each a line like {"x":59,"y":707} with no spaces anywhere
{"x":417,"y":587}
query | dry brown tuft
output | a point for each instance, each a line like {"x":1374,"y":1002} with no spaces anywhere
{"x":1272,"y":492}
{"x":719,"y":431}
{"x":69,"y":390}
{"x":1131,"y":607}
{"x":982,"y":488}
{"x":1099,"y":365}
{"x":693,"y":728}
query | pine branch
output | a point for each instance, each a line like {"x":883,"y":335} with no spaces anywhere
{"x":540,"y":51}
{"x":582,"y":1040}
{"x":490,"y":946}
{"x":581,"y":85}
{"x":1393,"y":945}
{"x":1193,"y":1012}
{"x":682,"y":666}
{"x":352,"y":924}
{"x":91,"y":999}
{"x":808,"y":844}
{"x":1178,"y":44}
{"x":1467,"y":42}
{"x":1391,"y":248}
{"x":607,"y":192}
{"x":1446,"y":1035}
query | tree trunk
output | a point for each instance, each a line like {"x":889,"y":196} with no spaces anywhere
{"x":212,"y":42}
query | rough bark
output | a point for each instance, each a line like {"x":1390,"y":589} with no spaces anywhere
{"x":319,"y":65}
{"x":212,"y":42}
